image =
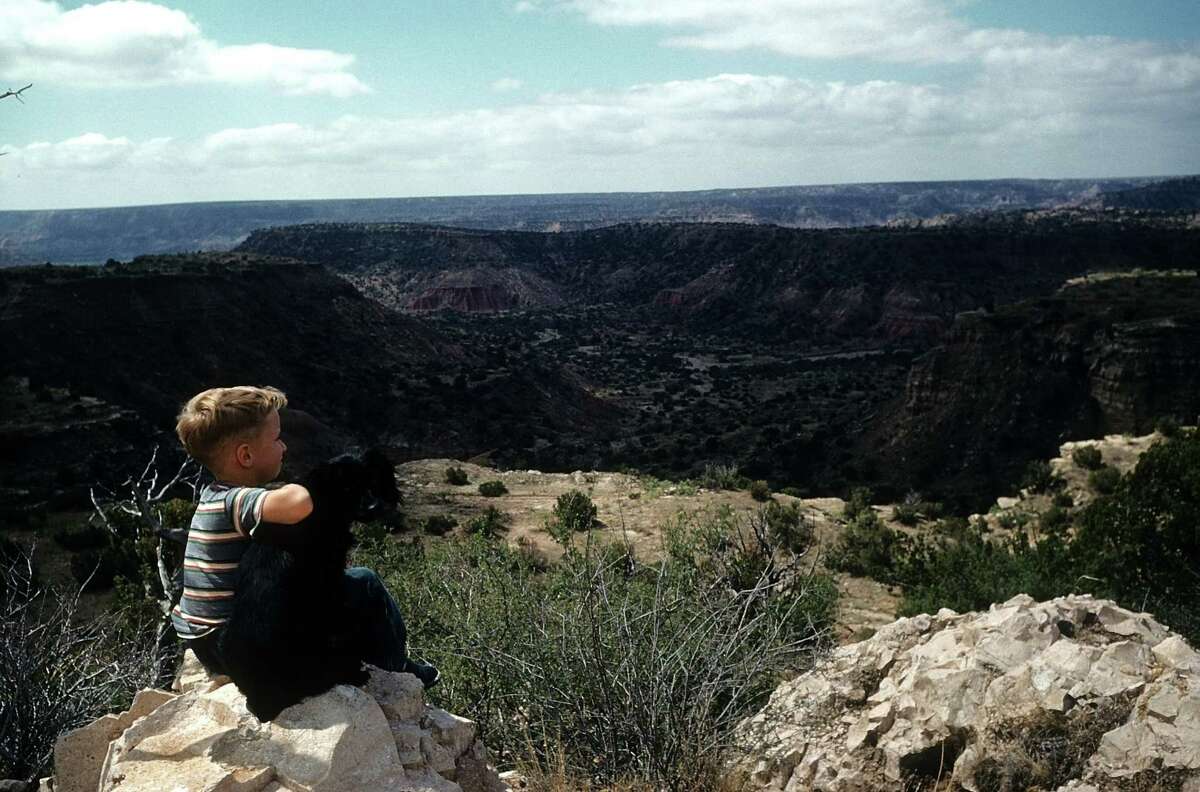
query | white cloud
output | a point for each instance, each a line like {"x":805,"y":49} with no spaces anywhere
{"x":727,"y":130}
{"x":889,"y":30}
{"x":123,"y":43}
{"x":506,"y":85}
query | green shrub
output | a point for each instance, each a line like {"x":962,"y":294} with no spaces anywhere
{"x":1140,"y":540}
{"x":614,"y":668}
{"x":972,"y":572}
{"x":574,"y":512}
{"x":759,"y":490}
{"x":438,"y":524}
{"x":1040,"y":477}
{"x":456,"y":476}
{"x":1167,"y":426}
{"x":1054,"y":520}
{"x":866,"y":547}
{"x":1136,"y":545}
{"x":787,"y":526}
{"x":490,"y":524}
{"x":908,"y":511}
{"x":1087,"y":457}
{"x":858,"y":502}
{"x":722,"y":477}
{"x":493,"y":489}
{"x":1104,"y":480}
{"x":1013,"y":520}
{"x":1063,"y":500}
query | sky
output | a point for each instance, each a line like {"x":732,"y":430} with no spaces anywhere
{"x":137,"y":102}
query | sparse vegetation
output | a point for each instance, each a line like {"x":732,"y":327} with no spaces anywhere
{"x":1104,"y":480}
{"x":718,"y":476}
{"x":438,"y":524}
{"x":1135,"y":545}
{"x":492,"y":489}
{"x":489,"y":524}
{"x":1087,"y":457}
{"x":59,"y":671}
{"x":858,"y":502}
{"x":538,"y":652}
{"x":867,"y":547}
{"x":456,"y":476}
{"x":574,"y":512}
{"x":908,"y":511}
{"x":1040,"y":477}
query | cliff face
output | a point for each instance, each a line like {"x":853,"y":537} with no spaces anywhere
{"x":1008,"y":386}
{"x":832,"y":286}
{"x":1143,"y":370}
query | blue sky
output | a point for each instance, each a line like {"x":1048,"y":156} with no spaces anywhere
{"x":149,"y":102}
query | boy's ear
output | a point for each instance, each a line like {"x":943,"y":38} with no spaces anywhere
{"x":242,"y":454}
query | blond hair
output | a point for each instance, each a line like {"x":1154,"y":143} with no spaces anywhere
{"x":216,"y":415}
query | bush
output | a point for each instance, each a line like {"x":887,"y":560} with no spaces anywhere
{"x":722,"y":477}
{"x":759,"y":490}
{"x":573,"y":512}
{"x":1135,"y":545}
{"x":787,"y":527}
{"x":490,"y":524}
{"x":606,"y":666}
{"x":493,"y":489}
{"x":858,"y":502}
{"x":866,"y":547}
{"x":1167,"y":427}
{"x":439,"y":524}
{"x":908,"y":511}
{"x":1054,"y":520}
{"x":1087,"y":457}
{"x":1040,"y":477}
{"x":456,"y":476}
{"x":1063,"y":500}
{"x":59,"y":671}
{"x":1104,"y":480}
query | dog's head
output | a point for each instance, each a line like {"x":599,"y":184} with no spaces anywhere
{"x":351,"y":487}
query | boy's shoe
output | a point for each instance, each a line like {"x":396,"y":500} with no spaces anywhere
{"x":428,"y":674}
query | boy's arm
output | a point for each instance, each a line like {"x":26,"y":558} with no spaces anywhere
{"x":287,"y":505}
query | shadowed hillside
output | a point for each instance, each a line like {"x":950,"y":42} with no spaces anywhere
{"x":146,"y":337}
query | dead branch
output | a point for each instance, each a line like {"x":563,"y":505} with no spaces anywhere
{"x":16,"y":94}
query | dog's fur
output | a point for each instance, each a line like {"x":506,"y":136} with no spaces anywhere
{"x":282,"y":643}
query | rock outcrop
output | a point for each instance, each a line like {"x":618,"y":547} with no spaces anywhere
{"x":382,"y":737}
{"x":1100,"y":357}
{"x":1071,"y":694}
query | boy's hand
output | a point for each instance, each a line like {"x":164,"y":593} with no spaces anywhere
{"x":287,"y":505}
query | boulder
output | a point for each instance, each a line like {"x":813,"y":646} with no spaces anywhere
{"x":382,"y":737}
{"x":1071,"y":694}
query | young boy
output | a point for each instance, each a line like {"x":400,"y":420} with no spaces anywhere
{"x":234,"y":432}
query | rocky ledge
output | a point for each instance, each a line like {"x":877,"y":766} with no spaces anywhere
{"x":381,"y":738}
{"x":1072,"y":694}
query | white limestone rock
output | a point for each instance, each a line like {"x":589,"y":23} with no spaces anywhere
{"x":382,"y":738}
{"x":980,"y":697}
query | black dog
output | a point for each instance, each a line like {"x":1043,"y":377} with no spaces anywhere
{"x":282,"y":643}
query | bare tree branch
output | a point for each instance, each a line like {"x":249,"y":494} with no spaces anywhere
{"x":16,"y":94}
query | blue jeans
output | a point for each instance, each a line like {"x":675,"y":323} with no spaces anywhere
{"x":375,"y":620}
{"x":373,"y":624}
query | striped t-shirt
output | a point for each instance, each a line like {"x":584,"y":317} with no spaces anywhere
{"x":225,"y":519}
